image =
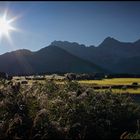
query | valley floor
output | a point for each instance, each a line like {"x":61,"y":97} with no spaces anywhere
{"x":117,"y":85}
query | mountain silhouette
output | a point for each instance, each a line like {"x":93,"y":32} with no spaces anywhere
{"x":111,"y":56}
{"x":49,"y":59}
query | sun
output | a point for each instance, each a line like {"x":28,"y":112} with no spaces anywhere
{"x":6,"y":26}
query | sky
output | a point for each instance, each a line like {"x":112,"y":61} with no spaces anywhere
{"x":40,"y":23}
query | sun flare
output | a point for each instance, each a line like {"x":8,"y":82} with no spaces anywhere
{"x":6,"y":26}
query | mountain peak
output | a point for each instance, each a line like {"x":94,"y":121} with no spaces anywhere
{"x":66,"y":43}
{"x":22,"y":51}
{"x":19,"y":52}
{"x":109,"y":41}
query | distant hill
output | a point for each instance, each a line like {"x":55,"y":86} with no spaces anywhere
{"x":16,"y":62}
{"x":49,"y":59}
{"x":111,"y":54}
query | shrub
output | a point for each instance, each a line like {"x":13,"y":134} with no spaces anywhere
{"x":46,"y":111}
{"x":127,"y":135}
{"x":50,"y":86}
{"x":96,"y":114}
{"x":134,"y":84}
{"x":72,"y":86}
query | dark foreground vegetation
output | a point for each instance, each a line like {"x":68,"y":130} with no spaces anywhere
{"x":69,"y":111}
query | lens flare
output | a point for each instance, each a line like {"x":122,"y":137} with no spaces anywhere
{"x":6,"y":26}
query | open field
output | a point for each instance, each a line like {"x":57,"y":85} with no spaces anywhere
{"x":113,"y":81}
{"x":101,"y":85}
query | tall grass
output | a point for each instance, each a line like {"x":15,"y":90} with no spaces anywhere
{"x":69,"y":111}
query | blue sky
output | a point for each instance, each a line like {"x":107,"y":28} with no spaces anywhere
{"x":87,"y":23}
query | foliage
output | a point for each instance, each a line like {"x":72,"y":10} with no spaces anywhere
{"x":70,"y":111}
{"x":127,"y":135}
{"x":72,"y":86}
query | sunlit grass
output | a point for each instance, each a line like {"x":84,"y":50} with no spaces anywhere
{"x":113,"y":81}
{"x":91,"y":83}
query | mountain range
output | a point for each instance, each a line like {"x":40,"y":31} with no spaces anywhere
{"x":111,"y":56}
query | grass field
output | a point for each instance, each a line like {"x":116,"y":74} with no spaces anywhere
{"x":113,"y":81}
{"x":92,"y":83}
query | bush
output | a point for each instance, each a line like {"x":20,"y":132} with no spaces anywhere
{"x":127,"y":135}
{"x":72,"y":86}
{"x":96,"y":114}
{"x":134,"y":84}
{"x":46,"y":111}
